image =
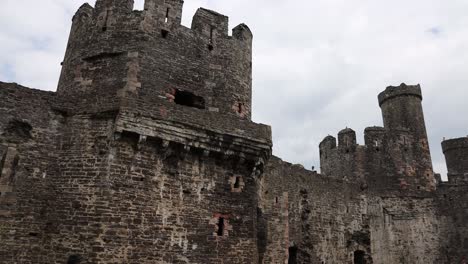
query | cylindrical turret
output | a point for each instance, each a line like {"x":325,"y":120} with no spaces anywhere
{"x":408,"y":148}
{"x":402,"y":109}
{"x":456,"y":156}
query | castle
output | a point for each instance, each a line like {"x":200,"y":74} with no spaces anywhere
{"x":147,"y":154}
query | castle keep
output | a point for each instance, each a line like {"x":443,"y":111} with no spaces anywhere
{"x":147,"y":154}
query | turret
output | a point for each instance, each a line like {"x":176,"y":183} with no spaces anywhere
{"x":456,"y":156}
{"x":374,"y":138}
{"x":402,"y":109}
{"x":327,"y":154}
{"x":115,"y":54}
{"x":408,"y":145}
{"x":347,"y":139}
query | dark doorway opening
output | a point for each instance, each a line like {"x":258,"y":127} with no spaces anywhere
{"x":359,"y":257}
{"x":292,"y":255}
{"x":189,"y":99}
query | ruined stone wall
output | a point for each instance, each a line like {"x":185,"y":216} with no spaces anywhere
{"x":316,"y":218}
{"x":406,"y":230}
{"x":28,"y":135}
{"x":121,"y":199}
{"x":328,"y":221}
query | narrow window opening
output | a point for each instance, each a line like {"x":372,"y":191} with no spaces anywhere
{"x":220,"y":231}
{"x":167,"y":15}
{"x":240,"y":108}
{"x":211,"y":34}
{"x":74,"y":259}
{"x":13,"y":167}
{"x":276,"y":200}
{"x":189,"y":99}
{"x":104,"y":28}
{"x":237,"y":183}
{"x":359,"y":257}
{"x":164,"y":33}
{"x":210,"y":45}
{"x":2,"y":163}
{"x":292,"y":255}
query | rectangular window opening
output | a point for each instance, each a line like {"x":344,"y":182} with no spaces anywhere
{"x":220,"y":231}
{"x":164,"y":33}
{"x":237,"y":183}
{"x":189,"y":99}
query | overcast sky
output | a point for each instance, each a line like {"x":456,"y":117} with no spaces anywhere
{"x":318,"y":64}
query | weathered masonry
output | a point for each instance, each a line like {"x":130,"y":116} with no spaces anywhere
{"x":147,"y":154}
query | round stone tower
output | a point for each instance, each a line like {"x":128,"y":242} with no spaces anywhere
{"x":402,"y":109}
{"x":408,"y":145}
{"x":456,"y":156}
{"x":115,"y":52}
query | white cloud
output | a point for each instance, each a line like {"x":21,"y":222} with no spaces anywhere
{"x":318,"y":65}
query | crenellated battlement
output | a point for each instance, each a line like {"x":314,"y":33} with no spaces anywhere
{"x":114,"y":52}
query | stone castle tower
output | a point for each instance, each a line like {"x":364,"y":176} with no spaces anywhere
{"x":147,"y":154}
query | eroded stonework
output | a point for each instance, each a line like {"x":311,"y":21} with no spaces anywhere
{"x":147,"y":154}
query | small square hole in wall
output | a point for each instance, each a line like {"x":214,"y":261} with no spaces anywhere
{"x":164,"y":33}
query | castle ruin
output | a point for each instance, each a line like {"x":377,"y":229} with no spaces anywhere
{"x":147,"y":154}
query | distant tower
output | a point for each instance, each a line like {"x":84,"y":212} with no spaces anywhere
{"x":456,"y":156}
{"x":408,"y":144}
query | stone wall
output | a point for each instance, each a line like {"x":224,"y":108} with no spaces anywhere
{"x":28,"y":136}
